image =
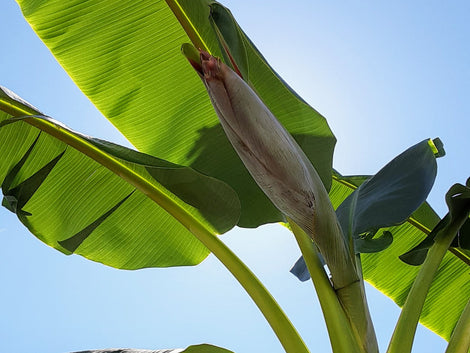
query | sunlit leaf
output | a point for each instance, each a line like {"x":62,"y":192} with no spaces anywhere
{"x":132,"y":70}
{"x":76,"y":205}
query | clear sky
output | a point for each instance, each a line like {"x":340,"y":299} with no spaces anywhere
{"x":385,"y":74}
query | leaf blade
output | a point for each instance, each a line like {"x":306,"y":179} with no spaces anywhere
{"x":126,"y":72}
{"x":80,"y":191}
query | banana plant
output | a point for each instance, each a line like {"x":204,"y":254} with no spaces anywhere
{"x":278,"y":170}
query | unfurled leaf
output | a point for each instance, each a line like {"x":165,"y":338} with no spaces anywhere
{"x":386,"y":199}
{"x":76,"y":205}
{"x":393,"y":194}
{"x":127,"y":350}
{"x":16,"y":198}
{"x":462,"y":240}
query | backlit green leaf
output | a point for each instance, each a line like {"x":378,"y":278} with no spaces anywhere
{"x":74,"y":204}
{"x":132,"y":70}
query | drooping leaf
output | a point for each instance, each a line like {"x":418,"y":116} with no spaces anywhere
{"x":126,"y":350}
{"x":463,"y":238}
{"x":74,"y":204}
{"x":201,"y":348}
{"x":390,"y":196}
{"x":131,"y":69}
{"x":417,"y":255}
{"x":386,"y":272}
{"x":18,"y":196}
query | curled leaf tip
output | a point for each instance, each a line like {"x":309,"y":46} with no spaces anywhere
{"x":437,"y":147}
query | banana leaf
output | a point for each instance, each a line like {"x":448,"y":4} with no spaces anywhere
{"x":76,"y":205}
{"x":125,"y":56}
{"x":450,"y":290}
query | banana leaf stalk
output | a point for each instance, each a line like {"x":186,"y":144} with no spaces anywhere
{"x":458,"y":202}
{"x":287,"y":177}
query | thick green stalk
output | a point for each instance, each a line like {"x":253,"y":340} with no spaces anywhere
{"x":403,"y":336}
{"x":281,"y":325}
{"x":339,"y":330}
{"x":460,"y":339}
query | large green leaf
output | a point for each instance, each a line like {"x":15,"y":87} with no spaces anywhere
{"x":125,"y":56}
{"x":385,"y":271}
{"x":76,"y":205}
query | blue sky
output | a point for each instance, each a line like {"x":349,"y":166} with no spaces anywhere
{"x":386,"y":76}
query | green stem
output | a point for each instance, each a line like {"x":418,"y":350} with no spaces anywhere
{"x":339,"y":330}
{"x":187,"y":25}
{"x":281,"y":325}
{"x":403,"y":336}
{"x":460,"y":339}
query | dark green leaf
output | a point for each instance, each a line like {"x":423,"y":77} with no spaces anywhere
{"x":458,"y":201}
{"x":391,"y":195}
{"x":11,"y":175}
{"x":371,"y":245}
{"x":463,"y":238}
{"x":230,"y":38}
{"x":386,"y":199}
{"x":126,"y":350}
{"x":23,"y":192}
{"x":72,"y":243}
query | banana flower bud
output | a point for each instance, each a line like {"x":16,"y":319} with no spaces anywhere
{"x":276,"y":162}
{"x":285,"y":174}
